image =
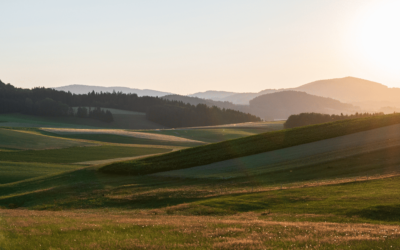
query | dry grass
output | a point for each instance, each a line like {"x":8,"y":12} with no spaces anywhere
{"x":139,"y":230}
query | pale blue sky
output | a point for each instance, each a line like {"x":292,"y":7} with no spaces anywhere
{"x":184,"y":46}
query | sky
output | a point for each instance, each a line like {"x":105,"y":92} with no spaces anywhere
{"x":190,"y":46}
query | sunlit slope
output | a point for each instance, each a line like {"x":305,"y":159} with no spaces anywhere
{"x":25,"y":140}
{"x":360,"y":143}
{"x":88,"y":188}
{"x":213,"y":134}
{"x":251,"y":145}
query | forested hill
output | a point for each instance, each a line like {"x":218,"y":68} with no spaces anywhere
{"x":50,"y":102}
{"x":281,"y":105}
{"x":305,"y":119}
{"x":210,"y":103}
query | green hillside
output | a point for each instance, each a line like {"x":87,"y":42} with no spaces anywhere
{"x":270,"y":141}
{"x":212,"y":135}
{"x":78,"y":154}
{"x":17,"y":171}
{"x":26,"y":140}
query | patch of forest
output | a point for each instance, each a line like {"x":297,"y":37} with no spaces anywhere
{"x":305,"y":119}
{"x":50,"y":102}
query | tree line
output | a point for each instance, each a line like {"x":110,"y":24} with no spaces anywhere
{"x":305,"y":119}
{"x":97,"y":114}
{"x":200,"y":115}
{"x":50,"y":102}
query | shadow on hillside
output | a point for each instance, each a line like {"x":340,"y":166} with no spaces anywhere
{"x":389,"y":213}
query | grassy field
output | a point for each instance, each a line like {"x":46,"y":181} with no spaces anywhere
{"x":350,"y":202}
{"x":116,"y":230}
{"x":128,"y":140}
{"x":25,"y":140}
{"x":77,"y":154}
{"x":17,"y":171}
{"x":241,"y":147}
{"x":116,"y":212}
{"x":318,"y":152}
{"x":213,"y":135}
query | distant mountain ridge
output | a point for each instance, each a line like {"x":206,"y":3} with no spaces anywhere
{"x":84,"y":89}
{"x":278,"y":105}
{"x":213,"y":95}
{"x":364,"y":93}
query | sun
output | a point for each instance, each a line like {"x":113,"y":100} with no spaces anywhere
{"x":377,"y":35}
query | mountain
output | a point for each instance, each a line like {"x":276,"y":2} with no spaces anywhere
{"x":212,"y":94}
{"x":369,"y":95}
{"x":84,"y":89}
{"x":244,"y":98}
{"x":278,"y":105}
{"x":281,"y":105}
{"x":351,"y":89}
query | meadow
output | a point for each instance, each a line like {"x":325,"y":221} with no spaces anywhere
{"x":347,"y":201}
{"x":25,"y":140}
{"x":250,"y":145}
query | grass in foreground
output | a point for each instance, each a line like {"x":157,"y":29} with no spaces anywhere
{"x":88,"y":188}
{"x":207,"y":154}
{"x":125,"y":212}
{"x":21,"y":229}
{"x":77,"y":154}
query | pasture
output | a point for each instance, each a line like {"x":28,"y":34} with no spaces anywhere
{"x":250,"y":145}
{"x":27,"y":140}
{"x":113,"y":212}
{"x":17,"y":171}
{"x":330,"y":186}
{"x":386,"y":139}
{"x":220,"y":133}
{"x":78,"y":154}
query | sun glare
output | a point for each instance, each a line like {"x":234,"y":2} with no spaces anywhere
{"x":378,"y":36}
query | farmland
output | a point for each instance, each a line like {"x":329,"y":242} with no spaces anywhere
{"x":250,"y":145}
{"x":329,"y":190}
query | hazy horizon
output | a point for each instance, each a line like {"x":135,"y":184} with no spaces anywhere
{"x":187,"y":47}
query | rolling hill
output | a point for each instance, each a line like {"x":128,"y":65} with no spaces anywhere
{"x":281,"y":105}
{"x":251,"y":145}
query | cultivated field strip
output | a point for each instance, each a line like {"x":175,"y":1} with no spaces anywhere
{"x":297,"y":156}
{"x":141,"y":135}
{"x":108,"y":161}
